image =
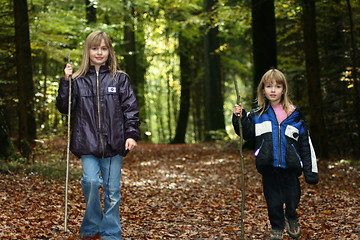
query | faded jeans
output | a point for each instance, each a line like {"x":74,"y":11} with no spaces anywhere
{"x":105,"y":172}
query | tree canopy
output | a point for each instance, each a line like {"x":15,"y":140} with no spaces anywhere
{"x":183,"y":57}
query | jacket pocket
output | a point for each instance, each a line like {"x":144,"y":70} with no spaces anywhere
{"x":264,"y":155}
{"x":259,"y":149}
{"x":298,"y":158}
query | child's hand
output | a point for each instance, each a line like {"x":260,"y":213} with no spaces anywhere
{"x":238,"y":110}
{"x":130,"y":144}
{"x":68,"y":71}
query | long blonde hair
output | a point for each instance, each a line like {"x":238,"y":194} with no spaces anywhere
{"x":273,"y":75}
{"x":94,"y":39}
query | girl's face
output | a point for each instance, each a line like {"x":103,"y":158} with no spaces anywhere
{"x":99,"y":55}
{"x":273,"y":92}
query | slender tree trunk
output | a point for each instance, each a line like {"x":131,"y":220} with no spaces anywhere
{"x":90,"y":12}
{"x":6,"y":149}
{"x":264,"y":38}
{"x":168,"y":104}
{"x":27,"y":125}
{"x":214,"y":111}
{"x":185,"y":80}
{"x":134,"y":59}
{"x":160,"y":120}
{"x":197,"y":94}
{"x":354,"y":74}
{"x":44,"y":109}
{"x":141,"y":67}
{"x":317,"y":125}
{"x":130,"y":45}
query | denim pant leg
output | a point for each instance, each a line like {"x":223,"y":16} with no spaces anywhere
{"x":111,"y":173}
{"x":91,"y":183}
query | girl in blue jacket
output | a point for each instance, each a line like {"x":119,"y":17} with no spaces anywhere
{"x":106,"y":126}
{"x":283,"y":150}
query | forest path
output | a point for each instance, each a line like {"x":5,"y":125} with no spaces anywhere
{"x":185,"y":191}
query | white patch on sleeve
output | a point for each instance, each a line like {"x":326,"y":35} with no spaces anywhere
{"x":292,"y":132}
{"x":261,"y":128}
{"x":314,"y":167}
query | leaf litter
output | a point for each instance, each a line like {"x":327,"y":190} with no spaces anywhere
{"x":184,"y":191}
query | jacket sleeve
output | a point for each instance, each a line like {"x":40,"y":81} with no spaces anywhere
{"x":62,"y":99}
{"x":308,"y":158}
{"x":130,"y":108}
{"x":248,"y":126}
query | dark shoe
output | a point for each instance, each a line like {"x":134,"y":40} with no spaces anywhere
{"x":293,"y":228}
{"x":276,"y":234}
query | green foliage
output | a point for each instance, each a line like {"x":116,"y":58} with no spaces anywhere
{"x":218,"y":136}
{"x":50,"y":168}
{"x":58,"y":29}
{"x":47,"y":160}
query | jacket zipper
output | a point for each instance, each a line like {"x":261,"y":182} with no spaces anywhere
{"x":99,"y":114}
{"x":279,"y":145}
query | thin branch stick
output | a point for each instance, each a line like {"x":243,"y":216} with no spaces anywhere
{"x":242,"y":166}
{"x":67,"y":155}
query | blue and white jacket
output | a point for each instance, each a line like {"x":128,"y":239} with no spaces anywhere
{"x":285,"y":145}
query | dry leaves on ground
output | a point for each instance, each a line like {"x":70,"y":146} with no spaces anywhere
{"x":188,"y":191}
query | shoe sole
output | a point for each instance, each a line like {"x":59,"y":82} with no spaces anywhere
{"x":293,"y":235}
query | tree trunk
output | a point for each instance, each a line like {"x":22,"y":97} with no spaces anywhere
{"x":134,"y":60}
{"x":6,"y":149}
{"x":185,"y":81}
{"x":27,"y":125}
{"x":197,"y":94}
{"x":264,"y":38}
{"x":354,"y":74}
{"x":317,"y":125}
{"x":214,"y":112}
{"x":129,"y":42}
{"x":90,"y":12}
{"x":44,"y":111}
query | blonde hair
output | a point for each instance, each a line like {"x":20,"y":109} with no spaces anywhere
{"x":273,"y":75}
{"x":94,"y":39}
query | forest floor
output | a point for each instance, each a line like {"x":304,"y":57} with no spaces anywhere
{"x":188,"y":191}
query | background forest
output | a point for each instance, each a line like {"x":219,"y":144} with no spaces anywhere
{"x":183,"y":57}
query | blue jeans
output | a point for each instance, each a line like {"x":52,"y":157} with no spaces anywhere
{"x":99,"y":172}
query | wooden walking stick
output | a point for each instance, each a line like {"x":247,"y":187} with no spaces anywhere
{"x":242,"y":166}
{"x":67,"y":154}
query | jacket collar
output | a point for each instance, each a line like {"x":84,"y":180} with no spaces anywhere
{"x":103,"y":69}
{"x":294,"y":115}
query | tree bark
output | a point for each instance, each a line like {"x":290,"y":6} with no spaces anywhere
{"x":129,"y":42}
{"x":90,"y":12}
{"x":197,"y":93}
{"x":264,"y":38}
{"x":27,"y":125}
{"x":317,"y":123}
{"x":354,"y":73}
{"x":7,"y":148}
{"x":185,"y":81}
{"x":134,"y":60}
{"x":214,"y":111}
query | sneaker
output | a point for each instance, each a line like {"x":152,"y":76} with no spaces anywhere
{"x":276,"y":234}
{"x":293,"y":227}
